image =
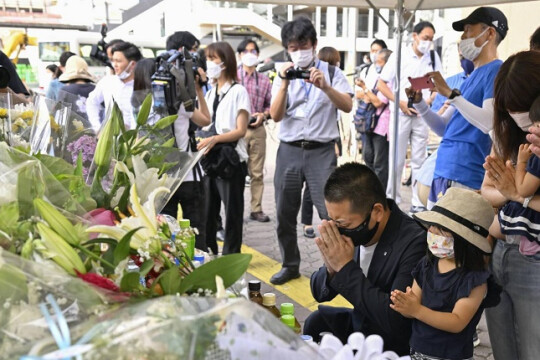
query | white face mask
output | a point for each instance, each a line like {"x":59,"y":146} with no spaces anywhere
{"x":441,"y":246}
{"x":125,"y":74}
{"x":424,"y":46}
{"x":302,"y":58}
{"x":469,"y":50}
{"x":250,"y":59}
{"x":373,"y":57}
{"x":213,"y":70}
{"x":522,"y":120}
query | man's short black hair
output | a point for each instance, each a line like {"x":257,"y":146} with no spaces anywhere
{"x":182,"y":39}
{"x":130,"y":51}
{"x":242,"y":46}
{"x":535,"y":40}
{"x":358,"y":184}
{"x":300,"y":29}
{"x":113,"y":42}
{"x":64,"y":57}
{"x":379,"y":42}
{"x":422,"y":25}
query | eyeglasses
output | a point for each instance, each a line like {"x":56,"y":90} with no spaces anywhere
{"x":253,"y":51}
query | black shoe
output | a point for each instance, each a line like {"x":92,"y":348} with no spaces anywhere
{"x":284,"y":275}
{"x":259,"y":216}
{"x":407,"y":182}
{"x":220,"y":235}
{"x":309,"y":232}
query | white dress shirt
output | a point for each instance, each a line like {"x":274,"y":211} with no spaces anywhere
{"x":108,"y":88}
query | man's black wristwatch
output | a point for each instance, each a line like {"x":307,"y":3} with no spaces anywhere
{"x":454,"y":93}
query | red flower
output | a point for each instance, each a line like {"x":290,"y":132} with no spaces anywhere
{"x":99,"y":281}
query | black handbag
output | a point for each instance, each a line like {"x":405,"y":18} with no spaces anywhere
{"x":221,"y":161}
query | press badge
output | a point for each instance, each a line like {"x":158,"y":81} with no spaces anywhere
{"x":301,"y":110}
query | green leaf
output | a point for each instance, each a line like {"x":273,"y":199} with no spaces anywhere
{"x":13,"y":283}
{"x":142,"y":118}
{"x":165,"y":122}
{"x":109,"y":241}
{"x":171,"y":281}
{"x":79,"y":166}
{"x":169,"y":143}
{"x":122,"y":249}
{"x":9,"y":217}
{"x":229,"y":267}
{"x":130,"y":281}
{"x":146,"y":267}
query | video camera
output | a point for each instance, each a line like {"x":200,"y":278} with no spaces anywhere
{"x":293,"y":73}
{"x":173,"y":82}
{"x":98,"y":51}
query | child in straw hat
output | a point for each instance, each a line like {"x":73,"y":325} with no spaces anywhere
{"x":449,"y":290}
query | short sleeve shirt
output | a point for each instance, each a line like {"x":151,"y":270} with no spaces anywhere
{"x":464,"y":147}
{"x":310,"y":114}
{"x":234,"y":99}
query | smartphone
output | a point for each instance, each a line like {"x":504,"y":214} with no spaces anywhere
{"x":420,"y":83}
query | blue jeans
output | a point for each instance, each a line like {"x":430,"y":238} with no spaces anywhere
{"x":514,"y":324}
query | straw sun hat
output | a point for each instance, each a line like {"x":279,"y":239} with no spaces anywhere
{"x":76,"y":68}
{"x":463,"y":212}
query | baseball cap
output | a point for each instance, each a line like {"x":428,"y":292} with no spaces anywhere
{"x":486,"y":15}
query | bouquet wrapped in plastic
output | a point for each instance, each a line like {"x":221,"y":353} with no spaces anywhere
{"x":49,"y":123}
{"x":16,"y":116}
{"x":26,"y":285}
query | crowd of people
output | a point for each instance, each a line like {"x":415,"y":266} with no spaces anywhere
{"x":474,"y":204}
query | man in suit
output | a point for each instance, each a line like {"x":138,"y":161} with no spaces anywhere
{"x":369,"y":248}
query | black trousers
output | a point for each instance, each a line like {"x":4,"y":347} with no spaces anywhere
{"x":375,"y":149}
{"x":294,"y":167}
{"x":231,"y":192}
{"x":191,"y":196}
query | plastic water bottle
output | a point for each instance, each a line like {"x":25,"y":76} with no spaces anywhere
{"x":186,"y":236}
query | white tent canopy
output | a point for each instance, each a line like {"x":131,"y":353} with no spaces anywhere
{"x":381,"y":4}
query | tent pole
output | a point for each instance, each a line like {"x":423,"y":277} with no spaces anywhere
{"x":394,"y":126}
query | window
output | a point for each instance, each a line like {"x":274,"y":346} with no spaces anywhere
{"x":362,"y":29}
{"x":51,"y":51}
{"x":323,"y":21}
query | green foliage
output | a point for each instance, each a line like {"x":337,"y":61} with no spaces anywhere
{"x":229,"y":267}
{"x":170,"y":281}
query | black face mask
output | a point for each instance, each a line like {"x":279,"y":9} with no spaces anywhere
{"x":360,"y":235}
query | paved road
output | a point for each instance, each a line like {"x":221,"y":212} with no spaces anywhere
{"x":261,"y":237}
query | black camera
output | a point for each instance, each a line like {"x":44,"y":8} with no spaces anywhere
{"x":173,"y":83}
{"x":292,"y":74}
{"x":98,"y":51}
{"x":4,"y":77}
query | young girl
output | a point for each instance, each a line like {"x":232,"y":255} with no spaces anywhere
{"x":516,"y":219}
{"x":229,"y":107}
{"x":450,"y":283}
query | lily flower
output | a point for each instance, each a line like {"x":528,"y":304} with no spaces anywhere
{"x":147,"y":236}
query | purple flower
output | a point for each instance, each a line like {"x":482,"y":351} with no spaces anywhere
{"x":86,"y":145}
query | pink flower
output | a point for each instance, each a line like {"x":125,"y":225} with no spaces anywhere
{"x":100,"y":217}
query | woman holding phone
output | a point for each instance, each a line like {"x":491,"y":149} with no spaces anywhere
{"x":229,"y":107}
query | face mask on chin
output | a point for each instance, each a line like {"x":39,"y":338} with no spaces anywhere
{"x":360,"y":235}
{"x":469,"y":50}
{"x":302,"y":58}
{"x":125,"y":74}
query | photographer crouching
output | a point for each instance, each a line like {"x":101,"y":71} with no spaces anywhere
{"x":305,"y":97}
{"x":191,"y":193}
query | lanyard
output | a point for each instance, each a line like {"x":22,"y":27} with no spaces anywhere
{"x":307,"y":90}
{"x":256,"y":82}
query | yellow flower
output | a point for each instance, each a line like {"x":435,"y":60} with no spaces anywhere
{"x":3,"y":112}
{"x":54,"y":124}
{"x":27,"y":115}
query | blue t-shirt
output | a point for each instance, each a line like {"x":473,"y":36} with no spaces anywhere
{"x":464,"y":147}
{"x":440,"y":292}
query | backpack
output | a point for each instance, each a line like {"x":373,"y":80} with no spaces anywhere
{"x":366,"y":119}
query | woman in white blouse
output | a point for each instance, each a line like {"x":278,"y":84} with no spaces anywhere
{"x":229,"y":107}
